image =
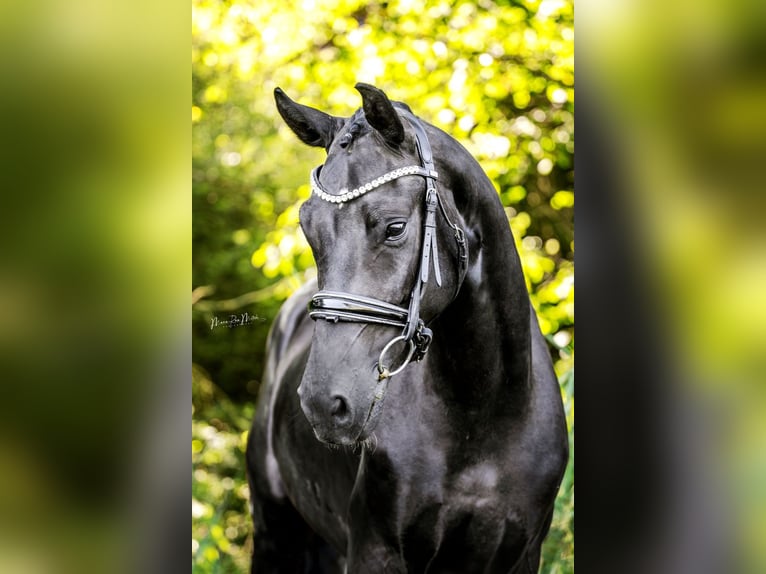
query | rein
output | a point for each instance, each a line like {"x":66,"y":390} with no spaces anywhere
{"x":337,"y":306}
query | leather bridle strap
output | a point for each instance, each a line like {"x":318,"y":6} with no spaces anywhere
{"x":430,"y":252}
{"x":335,"y":306}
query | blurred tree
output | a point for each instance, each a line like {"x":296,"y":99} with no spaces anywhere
{"x":496,"y":74}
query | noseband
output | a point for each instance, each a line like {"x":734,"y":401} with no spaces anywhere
{"x":337,"y":306}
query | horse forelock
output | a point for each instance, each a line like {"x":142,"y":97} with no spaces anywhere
{"x":354,"y":126}
{"x":357,"y":125}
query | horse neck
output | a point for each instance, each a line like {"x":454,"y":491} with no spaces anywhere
{"x":484,"y":335}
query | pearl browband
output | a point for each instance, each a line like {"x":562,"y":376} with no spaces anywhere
{"x":346,"y":195}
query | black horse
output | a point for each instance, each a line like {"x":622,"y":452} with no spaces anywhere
{"x":416,"y":424}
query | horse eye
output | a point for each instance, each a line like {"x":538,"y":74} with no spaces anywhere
{"x":395,"y":230}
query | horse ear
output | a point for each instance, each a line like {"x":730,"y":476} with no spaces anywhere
{"x":380,"y":113}
{"x":312,"y":127}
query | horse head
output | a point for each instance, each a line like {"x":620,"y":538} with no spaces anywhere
{"x":373,"y":225}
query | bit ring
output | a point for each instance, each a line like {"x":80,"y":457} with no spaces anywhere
{"x":385,"y":372}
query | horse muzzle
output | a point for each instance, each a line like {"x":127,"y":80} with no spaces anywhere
{"x":334,"y":417}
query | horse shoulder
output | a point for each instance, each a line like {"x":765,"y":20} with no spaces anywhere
{"x":263,"y":468}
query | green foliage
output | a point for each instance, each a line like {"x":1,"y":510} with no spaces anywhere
{"x":558,"y":548}
{"x":497,"y":75}
{"x":220,"y":519}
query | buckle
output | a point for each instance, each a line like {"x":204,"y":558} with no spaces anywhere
{"x":422,"y":340}
{"x":462,"y":251}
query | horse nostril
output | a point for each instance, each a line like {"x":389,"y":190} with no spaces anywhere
{"x":339,"y":407}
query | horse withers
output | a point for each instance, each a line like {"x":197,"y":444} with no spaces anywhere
{"x":409,"y":419}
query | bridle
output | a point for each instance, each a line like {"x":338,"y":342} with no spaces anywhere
{"x":337,"y":306}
